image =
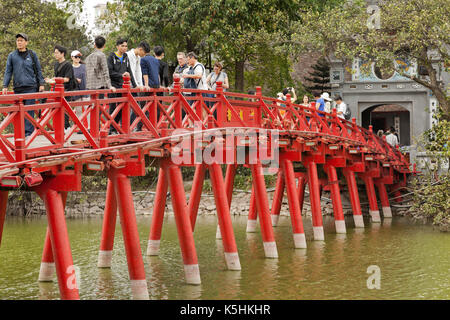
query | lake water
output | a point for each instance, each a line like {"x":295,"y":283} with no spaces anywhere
{"x":414,"y":261}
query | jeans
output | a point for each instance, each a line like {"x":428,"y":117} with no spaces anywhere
{"x":29,"y":128}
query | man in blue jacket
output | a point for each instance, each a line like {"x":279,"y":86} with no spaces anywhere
{"x":24,"y":66}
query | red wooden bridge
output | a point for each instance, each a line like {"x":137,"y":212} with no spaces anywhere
{"x":186,"y":127}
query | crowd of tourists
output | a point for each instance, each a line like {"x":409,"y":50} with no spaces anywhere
{"x":146,"y":69}
{"x":144,"y":66}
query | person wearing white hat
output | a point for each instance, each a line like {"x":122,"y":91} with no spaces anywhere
{"x":326,"y":96}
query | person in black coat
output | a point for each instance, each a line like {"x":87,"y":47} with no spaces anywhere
{"x":119,"y":66}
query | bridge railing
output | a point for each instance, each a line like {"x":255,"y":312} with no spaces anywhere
{"x":137,"y":115}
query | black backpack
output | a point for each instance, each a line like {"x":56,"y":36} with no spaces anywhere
{"x":347,"y":113}
{"x":190,"y":83}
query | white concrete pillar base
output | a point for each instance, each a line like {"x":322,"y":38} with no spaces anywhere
{"x":251,"y":226}
{"x":387,"y":212}
{"x":47,"y":271}
{"x":192,"y":274}
{"x":375,"y":216}
{"x":139,"y":290}
{"x":270,"y":250}
{"x":299,"y":241}
{"x":359,"y":221}
{"x":218,"y":233}
{"x":318,"y":234}
{"x":275,"y":219}
{"x":104,"y":259}
{"x":153,"y":247}
{"x":340,"y":226}
{"x":233,"y":262}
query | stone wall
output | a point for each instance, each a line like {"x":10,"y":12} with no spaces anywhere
{"x":83,"y":204}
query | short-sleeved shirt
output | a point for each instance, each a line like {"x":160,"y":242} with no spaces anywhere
{"x":150,"y":68}
{"x":392,"y":139}
{"x":199,"y":69}
{"x":217,"y":78}
{"x":321,"y":103}
{"x":342,"y":107}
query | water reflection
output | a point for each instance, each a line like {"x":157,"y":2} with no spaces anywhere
{"x":387,"y":222}
{"x":105,"y":284}
{"x":48,"y":291}
{"x":413,"y":258}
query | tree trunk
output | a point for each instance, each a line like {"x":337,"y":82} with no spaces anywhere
{"x":190,"y":46}
{"x":239,"y":75}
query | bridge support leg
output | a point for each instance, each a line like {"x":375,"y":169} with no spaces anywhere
{"x":229,"y":184}
{"x":185,"y":236}
{"x":262,"y":205}
{"x":339,"y":219}
{"x":109,"y":228}
{"x":386,"y":207}
{"x":124,"y":198}
{"x":354,"y":198}
{"x":3,"y":205}
{"x":159,"y":207}
{"x":314,"y":195}
{"x":302,"y":180}
{"x":224,"y":217}
{"x":252,"y":214}
{"x":373,"y":205}
{"x":294,"y":204}
{"x":196,"y":193}
{"x":65,"y":269}
{"x":47,"y":269}
{"x":397,"y":193}
{"x":277,"y":198}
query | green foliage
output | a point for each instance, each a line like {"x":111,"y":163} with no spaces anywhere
{"x":251,"y":37}
{"x":432,"y":200}
{"x":431,"y":189}
{"x":45,"y":25}
{"x":407,"y":29}
{"x":319,"y":77}
{"x":437,"y":139}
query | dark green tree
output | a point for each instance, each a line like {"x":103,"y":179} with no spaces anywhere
{"x":46,"y":26}
{"x":319,"y":77}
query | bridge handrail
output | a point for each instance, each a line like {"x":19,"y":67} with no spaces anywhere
{"x":177,"y":109}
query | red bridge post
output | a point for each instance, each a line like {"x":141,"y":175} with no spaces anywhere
{"x":186,"y":238}
{"x":294,"y":204}
{"x":277,"y":198}
{"x":224,"y":217}
{"x":58,"y":119}
{"x":386,"y":207}
{"x":47,"y":269}
{"x":159,"y":206}
{"x":196,"y":193}
{"x":314,"y":195}
{"x":65,"y":270}
{"x":262,"y":204}
{"x":109,"y":228}
{"x":373,"y":205}
{"x":354,"y":198}
{"x":302,"y":181}
{"x":252,"y":213}
{"x":124,"y":198}
{"x":336,"y":199}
